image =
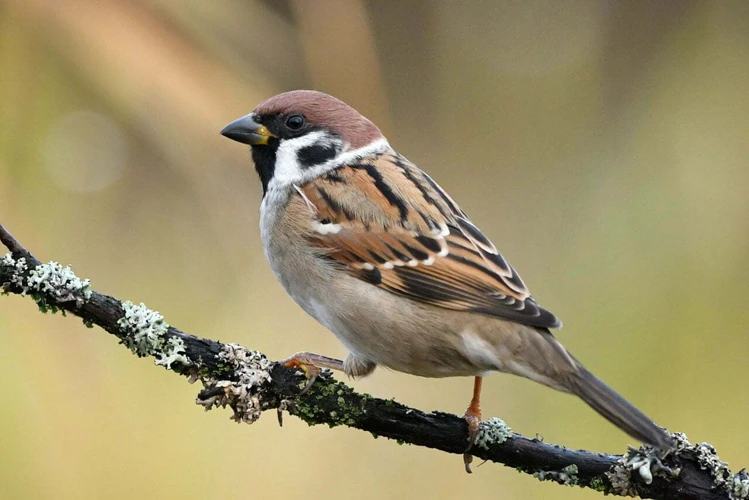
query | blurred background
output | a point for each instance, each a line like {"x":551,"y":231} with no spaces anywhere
{"x":602,"y":145}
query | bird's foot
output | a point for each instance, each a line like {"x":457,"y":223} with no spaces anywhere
{"x":311,"y":365}
{"x":473,"y":419}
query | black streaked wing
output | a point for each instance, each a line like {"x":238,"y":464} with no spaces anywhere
{"x":394,"y":227}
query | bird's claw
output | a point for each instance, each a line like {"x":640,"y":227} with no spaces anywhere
{"x":286,"y":405}
{"x":311,"y":365}
{"x":474,"y":429}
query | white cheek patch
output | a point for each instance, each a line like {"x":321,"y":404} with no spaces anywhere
{"x":288,"y":170}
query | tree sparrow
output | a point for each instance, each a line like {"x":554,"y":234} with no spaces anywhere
{"x":375,"y":250}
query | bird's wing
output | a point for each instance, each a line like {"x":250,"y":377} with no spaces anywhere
{"x":388,"y":223}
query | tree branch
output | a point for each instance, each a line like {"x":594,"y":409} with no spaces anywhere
{"x":248,"y":383}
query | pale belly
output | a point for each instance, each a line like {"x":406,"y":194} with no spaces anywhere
{"x":389,"y":330}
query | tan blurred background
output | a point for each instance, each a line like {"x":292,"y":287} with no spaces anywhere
{"x":602,"y":145}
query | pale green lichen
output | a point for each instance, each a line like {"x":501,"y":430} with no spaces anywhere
{"x":174,"y":351}
{"x":58,"y":282}
{"x":143,"y":329}
{"x":144,"y":332}
{"x":646,"y":461}
{"x":252,"y":370}
{"x":566,"y":476}
{"x":739,"y":486}
{"x":19,"y":266}
{"x":641,"y":464}
{"x":493,"y":431}
{"x":50,"y":285}
{"x":8,"y":260}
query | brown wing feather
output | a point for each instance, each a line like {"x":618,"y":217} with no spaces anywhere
{"x":394,"y":227}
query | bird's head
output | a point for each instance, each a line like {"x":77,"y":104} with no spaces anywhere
{"x":296,"y":136}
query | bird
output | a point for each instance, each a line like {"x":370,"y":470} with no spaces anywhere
{"x":370,"y":246}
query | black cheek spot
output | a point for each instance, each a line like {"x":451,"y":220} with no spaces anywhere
{"x":316,"y":154}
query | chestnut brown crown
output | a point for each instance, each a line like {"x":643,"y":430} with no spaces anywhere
{"x":324,"y":111}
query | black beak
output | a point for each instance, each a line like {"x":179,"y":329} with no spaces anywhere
{"x":247,"y":131}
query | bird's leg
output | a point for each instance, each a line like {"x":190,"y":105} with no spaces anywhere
{"x":473,"y":417}
{"x":310,"y":363}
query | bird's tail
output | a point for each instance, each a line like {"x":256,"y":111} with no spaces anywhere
{"x":537,"y":355}
{"x":615,"y":408}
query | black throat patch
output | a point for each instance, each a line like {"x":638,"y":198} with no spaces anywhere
{"x":264,"y":158}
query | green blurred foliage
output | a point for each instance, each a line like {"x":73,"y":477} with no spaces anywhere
{"x":601,"y":144}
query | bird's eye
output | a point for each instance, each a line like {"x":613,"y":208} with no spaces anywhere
{"x":295,"y":122}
